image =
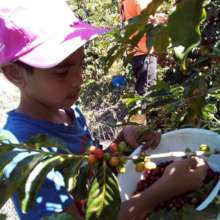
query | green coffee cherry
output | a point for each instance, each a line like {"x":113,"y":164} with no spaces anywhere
{"x":107,"y":156}
{"x":188,"y":150}
{"x":123,"y":147}
{"x":204,"y":148}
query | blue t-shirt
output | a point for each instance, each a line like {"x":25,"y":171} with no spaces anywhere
{"x":53,"y":196}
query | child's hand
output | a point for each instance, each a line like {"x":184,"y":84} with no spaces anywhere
{"x":134,"y":136}
{"x":185,"y":175}
{"x":178,"y":178}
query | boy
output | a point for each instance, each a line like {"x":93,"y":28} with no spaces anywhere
{"x":41,"y":53}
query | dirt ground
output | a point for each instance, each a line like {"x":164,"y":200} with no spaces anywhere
{"x":9,"y":96}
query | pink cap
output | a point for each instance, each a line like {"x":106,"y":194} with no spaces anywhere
{"x":41,"y":33}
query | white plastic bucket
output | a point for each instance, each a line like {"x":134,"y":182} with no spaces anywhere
{"x":177,"y":140}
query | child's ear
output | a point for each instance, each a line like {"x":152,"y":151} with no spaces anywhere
{"x":14,"y":74}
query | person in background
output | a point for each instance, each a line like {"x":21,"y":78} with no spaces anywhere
{"x":41,"y":52}
{"x":144,"y":62}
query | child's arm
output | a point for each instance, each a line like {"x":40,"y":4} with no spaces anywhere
{"x":179,"y":177}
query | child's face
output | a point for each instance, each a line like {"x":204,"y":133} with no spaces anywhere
{"x":57,"y":87}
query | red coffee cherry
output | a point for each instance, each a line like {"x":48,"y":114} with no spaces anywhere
{"x":114,"y":161}
{"x":113,"y":147}
{"x":92,"y":149}
{"x":91,"y":159}
{"x":99,"y":153}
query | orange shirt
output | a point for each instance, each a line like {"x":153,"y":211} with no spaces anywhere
{"x":130,"y":9}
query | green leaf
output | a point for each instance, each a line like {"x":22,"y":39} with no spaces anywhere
{"x":117,"y":54}
{"x":62,"y":216}
{"x":36,"y":179}
{"x":104,"y":196}
{"x":6,"y":158}
{"x":177,"y":91}
{"x":27,"y":165}
{"x":43,"y":140}
{"x":71,"y":173}
{"x":131,"y":100}
{"x":6,"y":135}
{"x":9,"y":185}
{"x":6,"y":147}
{"x":151,"y":8}
{"x":134,"y":29}
{"x":3,"y":217}
{"x":138,"y":23}
{"x":81,"y":190}
{"x":209,"y":111}
{"x":161,"y":39}
{"x":215,"y":93}
{"x":150,"y":37}
{"x":136,"y":38}
{"x":216,"y":49}
{"x":184,"y":26}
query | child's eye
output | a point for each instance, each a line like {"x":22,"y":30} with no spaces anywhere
{"x":61,"y":72}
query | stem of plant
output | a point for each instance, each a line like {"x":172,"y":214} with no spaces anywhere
{"x":174,"y":154}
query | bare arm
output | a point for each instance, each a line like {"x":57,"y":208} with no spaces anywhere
{"x":140,"y":205}
{"x":178,"y":178}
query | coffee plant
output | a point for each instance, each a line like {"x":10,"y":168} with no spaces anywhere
{"x":186,"y":94}
{"x":90,"y":177}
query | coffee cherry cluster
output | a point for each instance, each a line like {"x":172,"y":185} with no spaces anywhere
{"x":118,"y":157}
{"x":114,"y":155}
{"x":178,"y":202}
{"x":95,"y":154}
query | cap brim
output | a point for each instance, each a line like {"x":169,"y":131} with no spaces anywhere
{"x":56,"y":49}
